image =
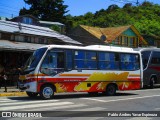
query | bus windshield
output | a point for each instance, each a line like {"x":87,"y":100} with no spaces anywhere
{"x":145,"y":58}
{"x":34,"y":59}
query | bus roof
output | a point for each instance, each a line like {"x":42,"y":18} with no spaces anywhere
{"x":147,"y":49}
{"x":94,"y":48}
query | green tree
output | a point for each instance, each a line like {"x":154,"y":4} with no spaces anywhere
{"x":145,"y":17}
{"x":112,"y":8}
{"x":47,"y":10}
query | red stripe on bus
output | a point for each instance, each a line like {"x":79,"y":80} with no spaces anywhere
{"x":137,"y":79}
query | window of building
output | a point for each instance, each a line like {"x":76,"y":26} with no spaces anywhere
{"x":41,"y":40}
{"x":36,"y":40}
{"x":27,"y":39}
{"x":45,"y":41}
{"x":32,"y":39}
{"x":125,"y":41}
{"x":27,"y":20}
{"x":12,"y":37}
{"x":5,"y":36}
{"x":19,"y":38}
{"x":136,"y":42}
{"x":131,"y":41}
{"x":117,"y":41}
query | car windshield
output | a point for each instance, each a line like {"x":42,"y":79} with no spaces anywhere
{"x":34,"y":59}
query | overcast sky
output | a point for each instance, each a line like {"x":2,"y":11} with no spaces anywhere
{"x":9,"y":8}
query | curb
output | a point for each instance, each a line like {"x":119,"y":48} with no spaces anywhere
{"x":13,"y":94}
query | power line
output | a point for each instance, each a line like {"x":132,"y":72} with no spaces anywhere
{"x":7,"y":13}
{"x":126,"y":1}
{"x":8,"y":10}
{"x":8,"y":6}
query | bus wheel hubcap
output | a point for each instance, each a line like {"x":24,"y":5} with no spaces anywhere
{"x":47,"y":92}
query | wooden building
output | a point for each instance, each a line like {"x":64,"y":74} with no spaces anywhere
{"x":120,"y":36}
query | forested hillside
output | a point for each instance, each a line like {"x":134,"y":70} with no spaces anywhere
{"x":145,"y":17}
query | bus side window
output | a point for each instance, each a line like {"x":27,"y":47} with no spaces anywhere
{"x":90,"y":60}
{"x":60,"y":59}
{"x":108,"y":61}
{"x":49,"y":62}
{"x":69,"y":59}
{"x":129,"y":62}
{"x":85,"y":60}
{"x":104,"y":60}
{"x":79,"y":57}
{"x":155,"y":58}
{"x":116,"y":60}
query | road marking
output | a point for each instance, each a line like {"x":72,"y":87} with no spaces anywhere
{"x":58,"y":107}
{"x":9,"y":101}
{"x":140,"y":118}
{"x":125,"y":99}
{"x":94,"y":99}
{"x":22,"y":102}
{"x":34,"y":106}
{"x":85,"y":118}
{"x":90,"y":109}
{"x":145,"y":90}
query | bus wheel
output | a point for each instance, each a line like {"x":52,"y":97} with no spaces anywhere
{"x":152,"y":81}
{"x":111,"y":90}
{"x":31,"y":94}
{"x":47,"y":92}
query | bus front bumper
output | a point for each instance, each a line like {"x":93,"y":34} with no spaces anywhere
{"x":23,"y":87}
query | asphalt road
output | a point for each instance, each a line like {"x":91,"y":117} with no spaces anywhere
{"x":124,"y":105}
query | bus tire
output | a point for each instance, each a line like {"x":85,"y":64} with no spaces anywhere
{"x":32,"y":94}
{"x":47,"y":92}
{"x":111,"y":89}
{"x":152,"y":81}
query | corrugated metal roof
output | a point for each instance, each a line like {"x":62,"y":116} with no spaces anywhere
{"x":13,"y":27}
{"x":18,"y":46}
{"x":51,"y":23}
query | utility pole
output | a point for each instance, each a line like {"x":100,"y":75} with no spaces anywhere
{"x":137,"y":2}
{"x":12,"y":16}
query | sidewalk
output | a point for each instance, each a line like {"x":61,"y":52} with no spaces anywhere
{"x":11,"y":91}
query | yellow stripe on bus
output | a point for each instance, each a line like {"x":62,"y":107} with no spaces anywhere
{"x":134,"y":75}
